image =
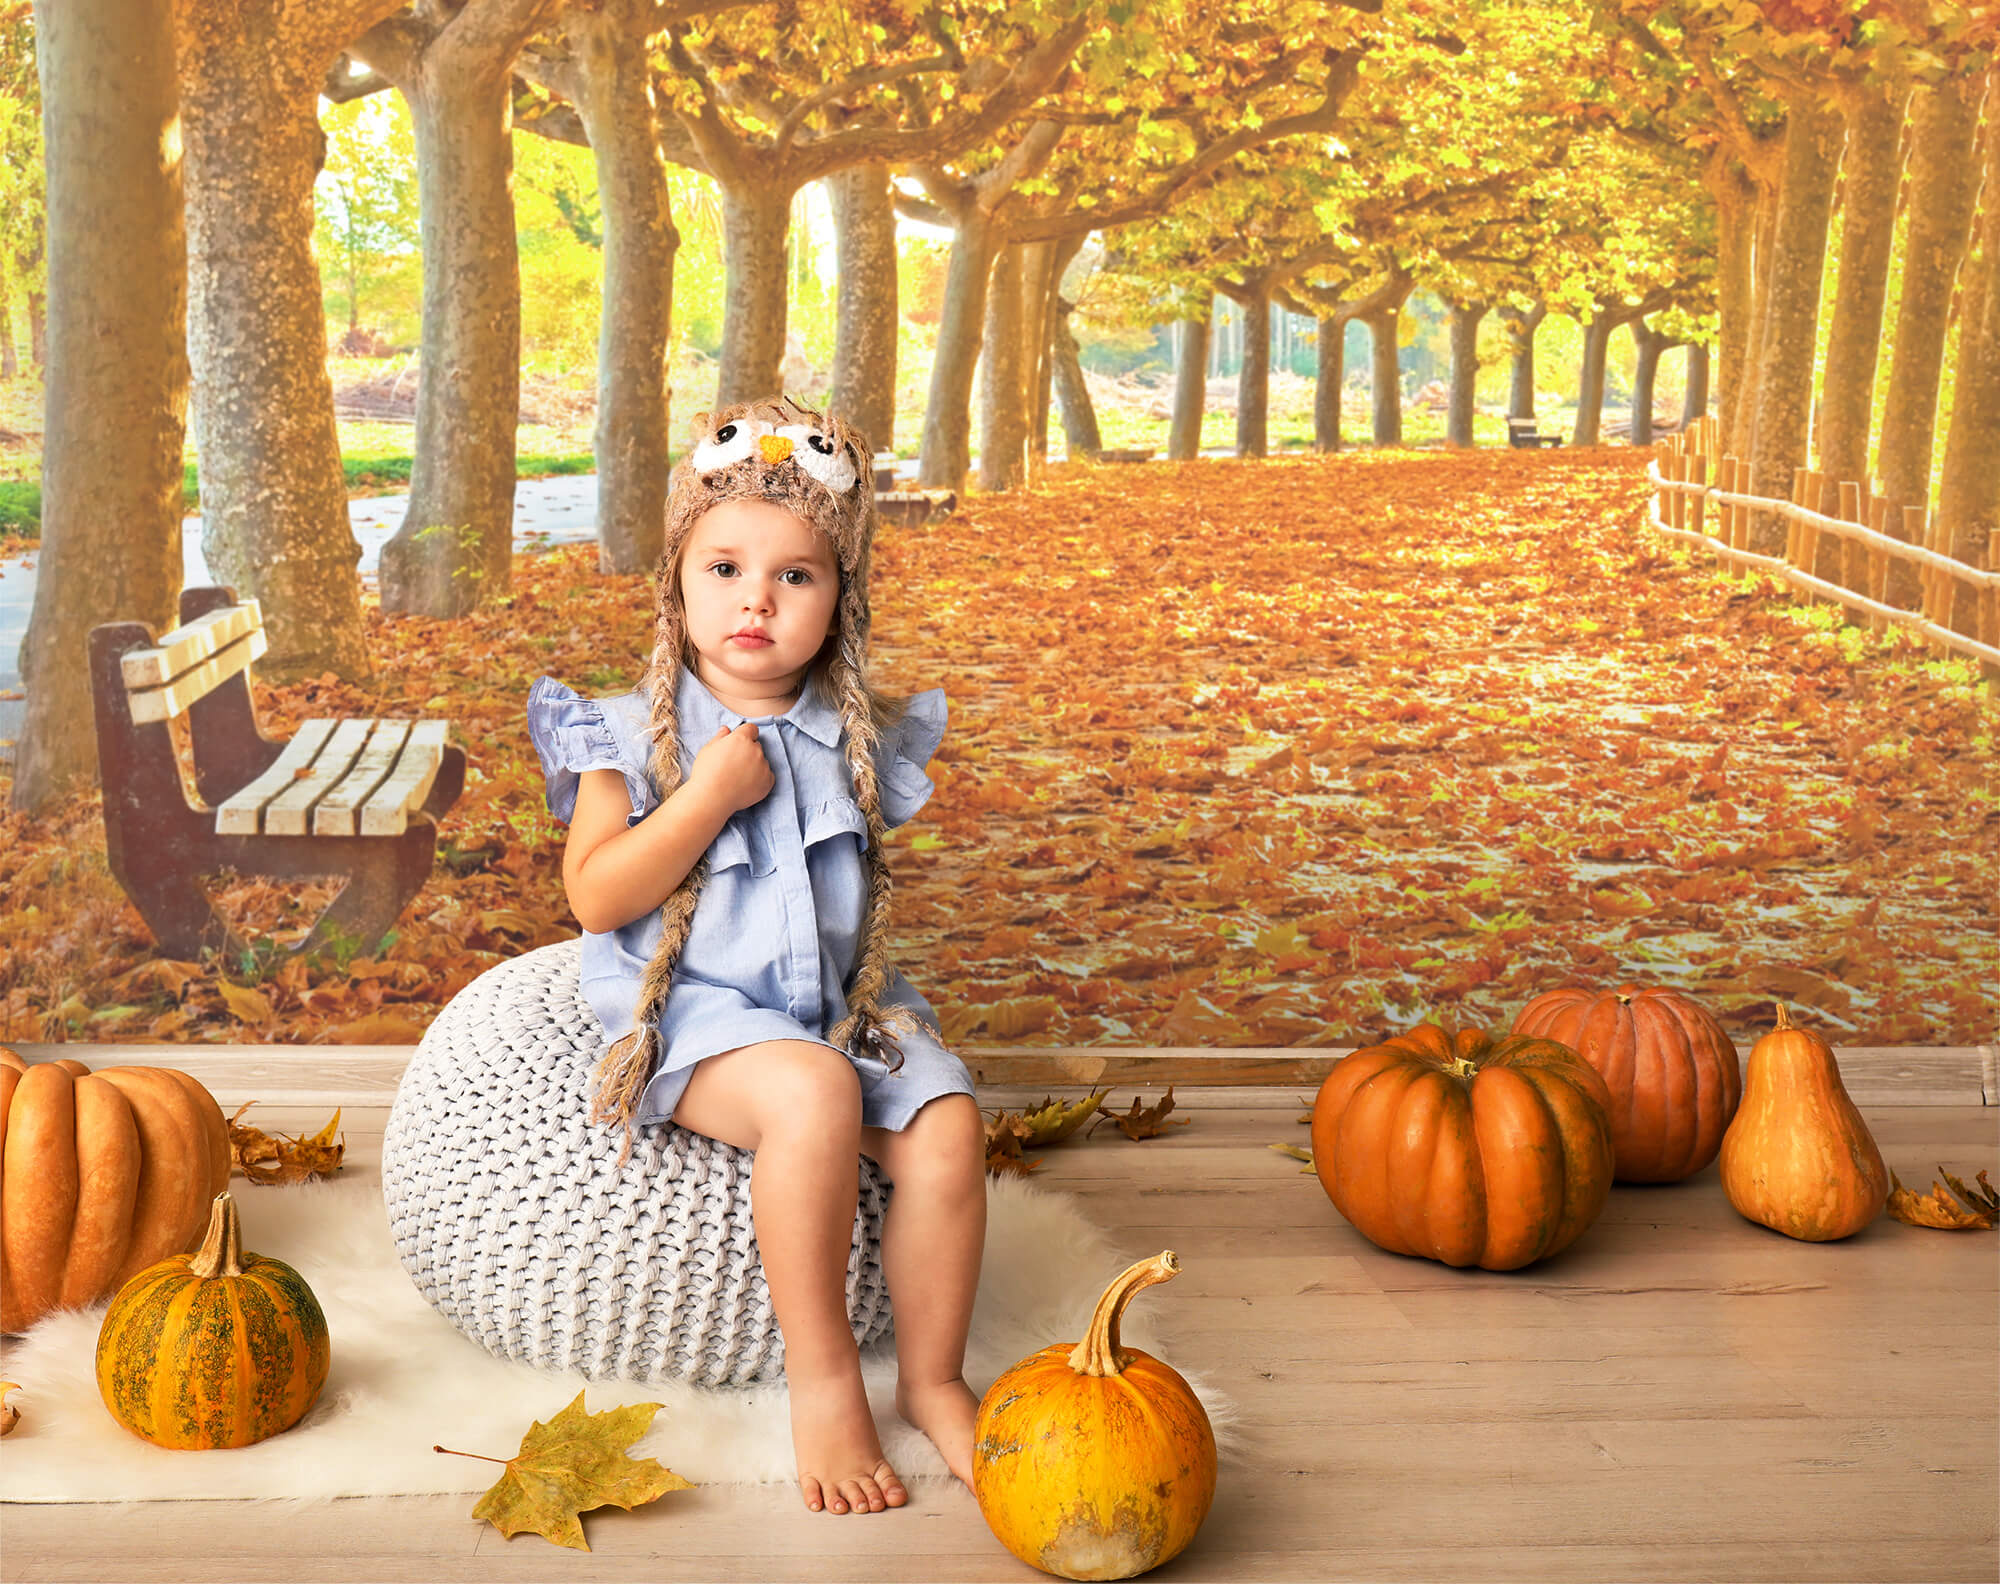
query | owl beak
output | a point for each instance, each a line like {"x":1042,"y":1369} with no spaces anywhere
{"x":775,"y":447}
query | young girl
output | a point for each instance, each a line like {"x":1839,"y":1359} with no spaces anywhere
{"x":725,"y":861}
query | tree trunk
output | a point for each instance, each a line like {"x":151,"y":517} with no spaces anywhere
{"x":608,"y":46}
{"x":117,"y":387}
{"x":1869,"y":167}
{"x":1651,"y":343}
{"x":864,"y":350}
{"x":1079,"y":417}
{"x":1190,"y":390}
{"x":455,"y":548}
{"x":1521,"y":328}
{"x":10,"y":358}
{"x":1969,"y":490}
{"x":1590,"y":377}
{"x":947,"y":444}
{"x":1694,"y":405}
{"x":1385,"y":376}
{"x":1003,"y":417}
{"x":1944,"y":180}
{"x":1465,"y":318}
{"x":1048,"y":263}
{"x":1329,"y":374}
{"x":1737,"y":205}
{"x":755,"y":220}
{"x":273,"y":496}
{"x":1253,"y":383}
{"x":1791,"y":289}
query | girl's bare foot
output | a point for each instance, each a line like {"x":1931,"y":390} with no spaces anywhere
{"x":945,"y":1412}
{"x":841,"y":1467}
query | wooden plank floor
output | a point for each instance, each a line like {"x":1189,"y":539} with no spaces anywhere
{"x":1683,"y":1395}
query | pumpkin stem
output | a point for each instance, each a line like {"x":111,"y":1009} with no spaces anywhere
{"x":1099,"y":1353}
{"x":1784,"y":1017}
{"x":1459,"y":1067}
{"x":221,"y":1252}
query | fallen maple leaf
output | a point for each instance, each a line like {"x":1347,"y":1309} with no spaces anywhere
{"x":1937,"y":1208}
{"x":1143,"y":1122}
{"x":9,"y":1414}
{"x":573,"y":1463}
{"x":1296,"y":1153}
{"x":269,"y":1161}
{"x":1052,"y":1121}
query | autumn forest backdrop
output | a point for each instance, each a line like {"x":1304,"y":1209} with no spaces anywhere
{"x":1337,"y":712}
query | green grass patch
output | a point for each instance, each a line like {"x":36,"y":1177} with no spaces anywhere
{"x":21,"y":510}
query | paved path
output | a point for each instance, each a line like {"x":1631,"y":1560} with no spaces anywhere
{"x":547,"y":512}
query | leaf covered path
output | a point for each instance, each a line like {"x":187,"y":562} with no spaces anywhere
{"x":1287,"y":752}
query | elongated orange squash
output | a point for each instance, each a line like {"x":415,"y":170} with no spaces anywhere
{"x":218,"y":1348}
{"x":1799,"y":1157}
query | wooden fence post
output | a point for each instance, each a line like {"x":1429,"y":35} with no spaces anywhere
{"x":1931,"y":583}
{"x":1853,"y":556}
{"x":1698,"y":475}
{"x":1877,"y":585}
{"x":1989,"y":610}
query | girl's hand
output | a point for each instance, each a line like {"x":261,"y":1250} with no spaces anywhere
{"x":732,"y":768}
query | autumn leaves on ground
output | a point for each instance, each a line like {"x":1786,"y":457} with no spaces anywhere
{"x":1291,"y":752}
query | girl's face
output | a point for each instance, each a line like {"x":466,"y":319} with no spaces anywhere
{"x":760,"y":589}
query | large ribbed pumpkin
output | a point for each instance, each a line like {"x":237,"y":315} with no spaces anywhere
{"x":1672,"y":1071}
{"x":218,"y":1348}
{"x":101,"y":1174}
{"x":1092,"y":1460}
{"x":1459,"y":1148}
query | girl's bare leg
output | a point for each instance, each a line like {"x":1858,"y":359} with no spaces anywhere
{"x":931,"y":1245}
{"x":798,"y":1105}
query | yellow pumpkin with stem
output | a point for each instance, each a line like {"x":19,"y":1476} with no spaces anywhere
{"x":1092,"y":1460}
{"x":217,"y":1348}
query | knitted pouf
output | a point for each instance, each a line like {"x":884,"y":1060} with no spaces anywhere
{"x":513,"y":1214}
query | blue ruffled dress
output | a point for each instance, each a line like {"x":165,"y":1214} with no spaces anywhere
{"x":778,"y":924}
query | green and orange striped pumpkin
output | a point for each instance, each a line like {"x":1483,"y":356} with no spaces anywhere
{"x":217,"y":1348}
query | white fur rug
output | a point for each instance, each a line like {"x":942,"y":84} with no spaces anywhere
{"x":403,"y":1380}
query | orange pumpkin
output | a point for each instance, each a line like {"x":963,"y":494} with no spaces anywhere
{"x":1799,"y":1157}
{"x":218,"y":1348}
{"x":1092,"y":1460}
{"x":101,"y":1174}
{"x":1458,"y":1148}
{"x":1671,"y":1069}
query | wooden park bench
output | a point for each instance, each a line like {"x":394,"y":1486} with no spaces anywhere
{"x":912,"y":508}
{"x":358,"y":799}
{"x":1523,"y":432}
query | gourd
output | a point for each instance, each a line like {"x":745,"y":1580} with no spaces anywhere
{"x":1094,"y":1460}
{"x":1799,"y":1158}
{"x":1671,"y":1068}
{"x":218,"y":1348}
{"x":1460,"y":1148}
{"x":101,"y":1175}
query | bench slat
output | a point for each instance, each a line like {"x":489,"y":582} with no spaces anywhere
{"x":189,"y":645}
{"x":239,"y":815}
{"x":387,"y":813}
{"x":164,"y":703}
{"x":333,"y":815}
{"x":285,"y":814}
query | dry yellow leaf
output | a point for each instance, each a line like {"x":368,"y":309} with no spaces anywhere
{"x":574,"y":1462}
{"x":245,"y":1004}
{"x":1939,"y":1209}
{"x":271,"y":1161}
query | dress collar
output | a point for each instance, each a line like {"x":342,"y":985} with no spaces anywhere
{"x":702,"y":714}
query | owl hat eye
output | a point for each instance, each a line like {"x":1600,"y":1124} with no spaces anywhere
{"x":729,"y":445}
{"x":817,"y":453}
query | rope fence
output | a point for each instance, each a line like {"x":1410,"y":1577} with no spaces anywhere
{"x":1680,"y":509}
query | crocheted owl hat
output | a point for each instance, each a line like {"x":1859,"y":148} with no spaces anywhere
{"x":822,"y":471}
